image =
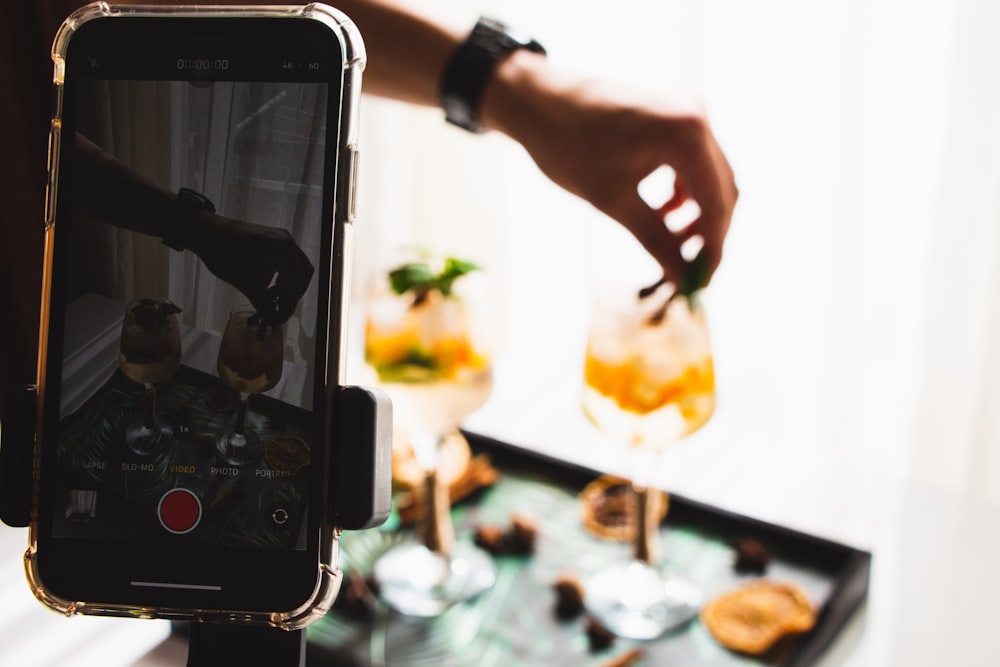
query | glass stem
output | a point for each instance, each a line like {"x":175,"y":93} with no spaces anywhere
{"x":241,"y":414}
{"x":149,"y":407}
{"x":647,"y":532}
{"x":646,"y":548}
{"x":438,"y":534}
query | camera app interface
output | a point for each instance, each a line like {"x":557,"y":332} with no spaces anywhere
{"x":191,"y":318}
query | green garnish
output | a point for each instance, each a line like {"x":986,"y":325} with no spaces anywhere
{"x":689,"y":286}
{"x":416,"y":366}
{"x":694,"y":277}
{"x":149,"y":312}
{"x":418,"y":278}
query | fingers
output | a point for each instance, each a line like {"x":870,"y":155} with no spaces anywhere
{"x":289,"y":284}
{"x":648,"y":227}
{"x":708,"y":227}
{"x":676,"y":200}
{"x":275,"y":291}
{"x":707,"y":178}
{"x":264,"y":263}
{"x":665,"y":242}
{"x":720,"y":195}
{"x":703,"y":179}
{"x":686,"y":143}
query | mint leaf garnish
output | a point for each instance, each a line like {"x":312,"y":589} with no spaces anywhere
{"x":411,"y":277}
{"x":695,"y":277}
{"x":417,"y":277}
{"x":149,"y":312}
{"x":453,"y":269}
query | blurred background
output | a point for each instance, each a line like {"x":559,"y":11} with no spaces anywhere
{"x":856,"y":308}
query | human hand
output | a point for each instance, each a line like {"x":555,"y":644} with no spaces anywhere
{"x":599,"y":142}
{"x":262,"y":262}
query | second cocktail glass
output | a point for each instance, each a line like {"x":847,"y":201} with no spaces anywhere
{"x":649,"y":381}
{"x":250,"y":362}
{"x":424,"y":338}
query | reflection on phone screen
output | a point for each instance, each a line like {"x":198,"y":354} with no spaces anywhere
{"x":188,"y":373}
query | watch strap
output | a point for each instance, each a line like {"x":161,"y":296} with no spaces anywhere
{"x":469,"y":69}
{"x":187,"y":205}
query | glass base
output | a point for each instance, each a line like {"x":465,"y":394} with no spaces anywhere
{"x":238,"y":449}
{"x":144,"y":440}
{"x":416,"y":581}
{"x":637,"y":601}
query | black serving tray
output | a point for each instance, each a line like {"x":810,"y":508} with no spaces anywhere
{"x":514,"y":623}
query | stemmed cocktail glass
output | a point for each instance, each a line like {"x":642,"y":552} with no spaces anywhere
{"x":150,"y":354}
{"x":250,"y":362}
{"x":649,"y":381}
{"x":424,"y":338}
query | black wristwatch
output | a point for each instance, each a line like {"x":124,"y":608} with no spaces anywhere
{"x":189,"y":203}
{"x":472,"y":64}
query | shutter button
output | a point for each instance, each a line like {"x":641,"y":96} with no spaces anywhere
{"x":179,"y":511}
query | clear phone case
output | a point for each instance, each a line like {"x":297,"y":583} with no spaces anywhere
{"x":352,"y":46}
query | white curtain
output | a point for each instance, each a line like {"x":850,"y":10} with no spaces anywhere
{"x":248,"y":147}
{"x":857,"y":305}
{"x":123,"y":120}
{"x":956,"y":433}
{"x":252,"y":149}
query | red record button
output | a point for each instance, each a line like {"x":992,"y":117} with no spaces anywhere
{"x":179,"y":511}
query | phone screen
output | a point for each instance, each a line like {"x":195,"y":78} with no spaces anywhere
{"x":191,"y":288}
{"x":183,"y":410}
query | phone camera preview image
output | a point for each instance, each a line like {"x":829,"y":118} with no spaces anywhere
{"x":82,"y":505}
{"x":188,"y":383}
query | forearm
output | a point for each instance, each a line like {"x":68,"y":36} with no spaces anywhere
{"x":595,"y":140}
{"x":530,"y":101}
{"x":407,"y":47}
{"x":407,"y":53}
{"x":107,"y":191}
{"x":407,"y":50}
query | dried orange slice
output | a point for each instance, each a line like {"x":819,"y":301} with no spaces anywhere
{"x":453,"y":460}
{"x":287,"y":454}
{"x":751,"y":618}
{"x":610,"y":508}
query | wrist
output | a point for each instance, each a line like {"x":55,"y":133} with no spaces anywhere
{"x":204,"y":230}
{"x":515,"y":92}
{"x":473,"y":65}
{"x":180,"y":230}
{"x":530,"y":101}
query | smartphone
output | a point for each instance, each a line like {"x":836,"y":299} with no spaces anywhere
{"x":202,"y":164}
